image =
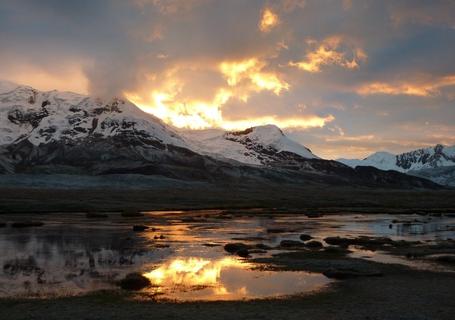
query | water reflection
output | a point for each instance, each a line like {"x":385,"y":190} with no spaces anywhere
{"x":226,"y":278}
{"x":181,"y":252}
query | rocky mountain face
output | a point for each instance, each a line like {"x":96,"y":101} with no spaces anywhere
{"x":60,"y":132}
{"x":435,"y":163}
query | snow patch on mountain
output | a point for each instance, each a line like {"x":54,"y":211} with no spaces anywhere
{"x":381,"y":160}
{"x":257,"y":145}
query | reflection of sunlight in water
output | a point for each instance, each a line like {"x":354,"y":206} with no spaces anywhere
{"x":70,"y":255}
{"x":227,"y":278}
{"x":192,"y":271}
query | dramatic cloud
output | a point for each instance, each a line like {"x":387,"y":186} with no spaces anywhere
{"x":343,"y":77}
{"x":331,"y":51}
{"x":251,"y":69}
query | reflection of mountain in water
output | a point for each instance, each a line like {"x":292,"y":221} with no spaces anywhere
{"x":68,"y":260}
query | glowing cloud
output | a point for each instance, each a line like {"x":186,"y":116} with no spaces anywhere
{"x":171,"y":101}
{"x":306,"y":122}
{"x":331,"y":51}
{"x":251,"y":69}
{"x":203,"y":115}
{"x":268,"y":21}
{"x":423,"y":89}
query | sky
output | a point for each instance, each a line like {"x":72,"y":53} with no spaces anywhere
{"x":343,"y":77}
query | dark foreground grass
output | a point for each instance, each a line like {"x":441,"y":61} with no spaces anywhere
{"x":282,"y":197}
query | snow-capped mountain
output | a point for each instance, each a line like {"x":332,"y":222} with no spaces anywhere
{"x":262,"y":145}
{"x":426,"y":158}
{"x":61,"y":132}
{"x":435,"y":163}
{"x":43,"y":117}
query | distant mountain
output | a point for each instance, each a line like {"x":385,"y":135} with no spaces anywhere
{"x":262,"y":145}
{"x":66,"y":133}
{"x":436,"y":163}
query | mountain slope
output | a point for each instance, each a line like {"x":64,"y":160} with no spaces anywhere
{"x":262,"y":145}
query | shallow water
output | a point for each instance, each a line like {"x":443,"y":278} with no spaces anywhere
{"x":71,"y":254}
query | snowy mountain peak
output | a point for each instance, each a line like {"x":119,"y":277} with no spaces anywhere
{"x":261,"y":145}
{"x":380,"y":155}
{"x":42,"y":117}
{"x":267,"y":134}
{"x":425,"y":158}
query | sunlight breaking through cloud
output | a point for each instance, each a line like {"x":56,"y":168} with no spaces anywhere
{"x":331,"y":51}
{"x":251,"y":69}
{"x":203,"y":115}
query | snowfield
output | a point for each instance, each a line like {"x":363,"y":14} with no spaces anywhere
{"x":256,"y":146}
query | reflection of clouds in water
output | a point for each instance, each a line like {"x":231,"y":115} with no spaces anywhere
{"x":70,"y":255}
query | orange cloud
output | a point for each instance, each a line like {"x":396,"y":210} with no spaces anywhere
{"x":269,"y":20}
{"x":168,"y":101}
{"x":422,"y":89}
{"x":343,"y":137}
{"x":251,"y":69}
{"x":197,"y":114}
{"x":305,"y":122}
{"x":330,"y":51}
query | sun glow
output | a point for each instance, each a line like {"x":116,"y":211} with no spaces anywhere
{"x":243,"y":78}
{"x":175,"y":104}
{"x":203,"y":115}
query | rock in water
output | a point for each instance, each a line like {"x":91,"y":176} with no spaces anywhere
{"x":134,"y":282}
{"x":305,"y":237}
{"x":139,"y":228}
{"x":235,"y":247}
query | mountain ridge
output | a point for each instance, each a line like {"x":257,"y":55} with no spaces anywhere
{"x":55,"y":132}
{"x":436,"y":163}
